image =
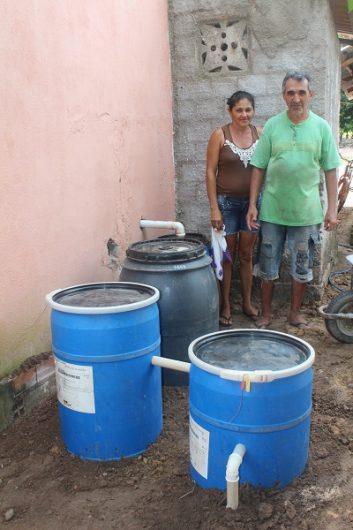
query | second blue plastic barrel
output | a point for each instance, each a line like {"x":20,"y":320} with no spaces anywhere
{"x":265,"y":408}
{"x":104,"y":336}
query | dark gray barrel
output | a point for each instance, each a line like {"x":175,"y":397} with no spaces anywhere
{"x":181,"y":270}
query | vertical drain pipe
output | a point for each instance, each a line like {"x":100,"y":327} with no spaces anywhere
{"x":232,"y":475}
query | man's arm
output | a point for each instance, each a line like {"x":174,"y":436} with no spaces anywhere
{"x":330,"y":220}
{"x":257,"y":176}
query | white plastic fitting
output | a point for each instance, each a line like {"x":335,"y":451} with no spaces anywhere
{"x":173,"y":364}
{"x":232,"y":475}
{"x":172,"y":225}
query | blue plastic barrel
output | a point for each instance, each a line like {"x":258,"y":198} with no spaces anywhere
{"x":250,"y":387}
{"x":109,"y":394}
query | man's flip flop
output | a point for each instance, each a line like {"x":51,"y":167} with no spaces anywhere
{"x":262,"y":325}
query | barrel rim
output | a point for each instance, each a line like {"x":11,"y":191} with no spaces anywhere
{"x":103,"y":310}
{"x":255,"y":376}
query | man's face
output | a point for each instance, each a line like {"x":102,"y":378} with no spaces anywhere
{"x":297,"y":97}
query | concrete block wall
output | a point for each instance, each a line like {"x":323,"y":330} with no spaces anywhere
{"x":279,"y":36}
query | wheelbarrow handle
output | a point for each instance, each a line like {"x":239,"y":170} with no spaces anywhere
{"x":334,"y":316}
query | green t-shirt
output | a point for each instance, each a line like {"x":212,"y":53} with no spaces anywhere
{"x":292,"y":156}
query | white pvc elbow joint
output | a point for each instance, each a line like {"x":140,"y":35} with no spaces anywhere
{"x":232,"y":470}
{"x":232,"y":475}
{"x":171,"y":225}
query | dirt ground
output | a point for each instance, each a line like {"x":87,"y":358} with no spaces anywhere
{"x":43,"y":487}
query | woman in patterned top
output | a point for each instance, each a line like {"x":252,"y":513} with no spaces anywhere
{"x":228,"y":182}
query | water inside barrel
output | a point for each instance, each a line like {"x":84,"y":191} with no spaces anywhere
{"x":102,"y":297}
{"x":247,"y":353}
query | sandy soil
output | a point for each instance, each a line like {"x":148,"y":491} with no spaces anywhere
{"x":43,"y":487}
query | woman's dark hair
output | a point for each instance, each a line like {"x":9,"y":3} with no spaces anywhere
{"x":237,"y":96}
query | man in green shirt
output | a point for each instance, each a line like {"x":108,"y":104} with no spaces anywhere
{"x":295,"y":145}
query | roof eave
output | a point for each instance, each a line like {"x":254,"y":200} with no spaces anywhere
{"x":342,"y":11}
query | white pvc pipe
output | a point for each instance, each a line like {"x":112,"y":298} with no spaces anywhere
{"x":173,"y":364}
{"x":172,"y":225}
{"x":232,"y":475}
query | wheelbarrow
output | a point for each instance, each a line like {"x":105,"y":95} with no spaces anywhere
{"x":338,"y":314}
{"x":345,"y":185}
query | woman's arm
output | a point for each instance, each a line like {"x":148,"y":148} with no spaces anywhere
{"x":214,"y":146}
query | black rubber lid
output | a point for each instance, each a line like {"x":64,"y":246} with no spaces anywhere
{"x":166,"y":250}
{"x":194,"y":236}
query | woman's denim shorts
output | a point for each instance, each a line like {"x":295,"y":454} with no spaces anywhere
{"x":301,"y":241}
{"x":234,"y":210}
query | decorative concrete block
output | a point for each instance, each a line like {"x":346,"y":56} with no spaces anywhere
{"x":224,"y":46}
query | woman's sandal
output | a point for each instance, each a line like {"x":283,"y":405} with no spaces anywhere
{"x":225,"y":322}
{"x":252,"y":316}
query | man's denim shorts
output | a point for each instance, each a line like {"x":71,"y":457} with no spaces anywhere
{"x":234,"y":210}
{"x":301,"y":241}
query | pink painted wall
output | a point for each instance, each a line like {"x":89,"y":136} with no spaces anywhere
{"x":86,"y":137}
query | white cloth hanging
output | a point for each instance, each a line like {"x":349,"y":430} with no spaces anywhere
{"x":219,"y":251}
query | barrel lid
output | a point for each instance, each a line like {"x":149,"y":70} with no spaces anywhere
{"x":194,"y":236}
{"x":166,"y":250}
{"x":255,"y":355}
{"x":103,"y":297}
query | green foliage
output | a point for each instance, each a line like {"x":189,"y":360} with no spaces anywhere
{"x":346,"y":117}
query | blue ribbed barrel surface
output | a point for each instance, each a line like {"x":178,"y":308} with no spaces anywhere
{"x":270,"y":418}
{"x":110,"y":403}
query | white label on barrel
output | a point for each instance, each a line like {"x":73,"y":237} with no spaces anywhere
{"x":199,"y":444}
{"x":75,"y":386}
